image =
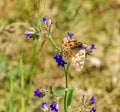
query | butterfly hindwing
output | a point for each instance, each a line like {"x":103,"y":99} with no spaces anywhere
{"x":78,"y":60}
{"x":68,"y":54}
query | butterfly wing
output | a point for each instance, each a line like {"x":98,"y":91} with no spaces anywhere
{"x":71,"y":47}
{"x":78,"y":60}
{"x":74,"y":51}
{"x":68,"y":53}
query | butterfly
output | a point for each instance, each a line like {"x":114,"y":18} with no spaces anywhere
{"x":74,"y":51}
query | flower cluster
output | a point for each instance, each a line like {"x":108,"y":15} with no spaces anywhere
{"x":32,"y":33}
{"x":59,"y":60}
{"x":46,"y":20}
{"x":48,"y":23}
{"x":53,"y":106}
{"x":35,"y":32}
{"x":29,"y":34}
{"x":89,"y":49}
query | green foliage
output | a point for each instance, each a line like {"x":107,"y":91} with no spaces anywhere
{"x":70,"y":95}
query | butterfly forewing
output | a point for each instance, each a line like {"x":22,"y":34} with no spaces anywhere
{"x":70,"y":43}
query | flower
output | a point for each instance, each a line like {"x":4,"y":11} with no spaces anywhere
{"x":27,"y":34}
{"x":93,"y":46}
{"x":49,"y":22}
{"x":54,"y":106}
{"x":92,"y":109}
{"x":70,"y":34}
{"x":62,"y":63}
{"x":37,"y":93}
{"x":59,"y":60}
{"x":44,"y":19}
{"x":43,"y":106}
{"x":92,"y":100}
{"x":58,"y":57}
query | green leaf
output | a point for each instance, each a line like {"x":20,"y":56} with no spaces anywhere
{"x":59,"y":91}
{"x":70,"y":95}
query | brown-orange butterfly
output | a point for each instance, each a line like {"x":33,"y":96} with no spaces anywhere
{"x":74,"y":51}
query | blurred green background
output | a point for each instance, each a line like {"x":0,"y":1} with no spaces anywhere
{"x":91,"y":21}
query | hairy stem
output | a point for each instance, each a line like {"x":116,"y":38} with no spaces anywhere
{"x":54,"y":44}
{"x":66,"y":86}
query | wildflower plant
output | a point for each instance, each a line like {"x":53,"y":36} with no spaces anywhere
{"x":72,"y":52}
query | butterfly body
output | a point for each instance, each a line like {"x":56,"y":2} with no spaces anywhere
{"x":74,"y":50}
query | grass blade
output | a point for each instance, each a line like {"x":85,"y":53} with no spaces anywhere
{"x":22,"y":84}
{"x":11,"y":91}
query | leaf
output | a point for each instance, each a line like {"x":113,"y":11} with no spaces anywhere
{"x":70,"y":95}
{"x":59,"y":91}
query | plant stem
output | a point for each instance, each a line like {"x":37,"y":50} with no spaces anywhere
{"x":65,"y":97}
{"x":66,"y":86}
{"x":54,"y":44}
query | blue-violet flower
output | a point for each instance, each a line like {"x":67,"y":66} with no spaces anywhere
{"x":93,"y":46}
{"x":70,"y":34}
{"x":59,"y":60}
{"x":44,"y":19}
{"x":58,"y":57}
{"x":27,"y":34}
{"x":92,"y":100}
{"x":92,"y":109}
{"x":37,"y":93}
{"x":54,"y":107}
{"x":43,"y":104}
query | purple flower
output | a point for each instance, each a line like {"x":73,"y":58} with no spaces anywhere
{"x":27,"y":34}
{"x":62,"y":63}
{"x":92,"y":100}
{"x":92,"y":109}
{"x":43,"y":104}
{"x":54,"y":107}
{"x":70,"y":34}
{"x":93,"y":46}
{"x":58,"y":57}
{"x":59,"y":60}
{"x":37,"y":93}
{"x":44,"y":19}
